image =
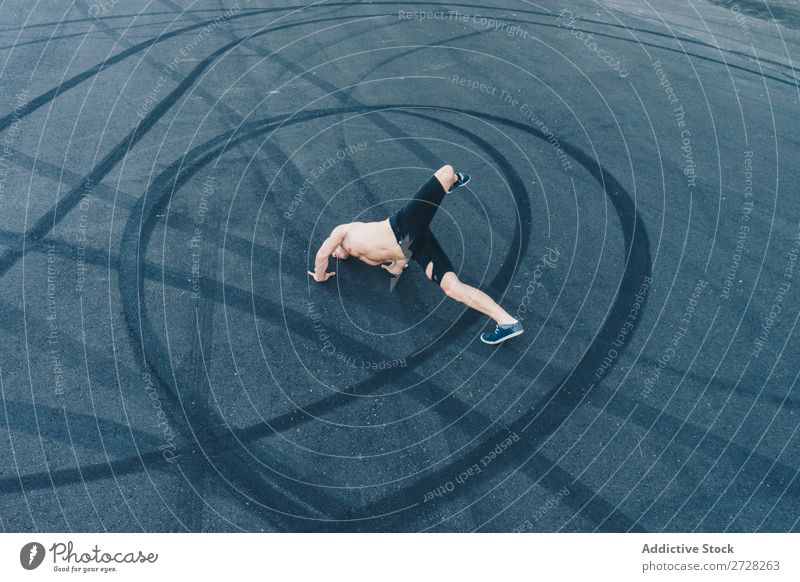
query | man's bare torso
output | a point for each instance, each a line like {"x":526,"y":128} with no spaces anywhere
{"x":372,"y":242}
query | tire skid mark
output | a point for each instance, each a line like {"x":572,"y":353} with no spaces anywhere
{"x":163,"y":106}
{"x":132,"y":239}
{"x":156,"y":111}
{"x":561,"y":395}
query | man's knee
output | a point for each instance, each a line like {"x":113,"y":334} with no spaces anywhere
{"x":451,"y":286}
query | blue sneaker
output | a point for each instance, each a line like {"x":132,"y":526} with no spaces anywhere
{"x":461,"y":179}
{"x":501,"y":334}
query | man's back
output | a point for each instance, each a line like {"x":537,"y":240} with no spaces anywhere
{"x":372,"y":242}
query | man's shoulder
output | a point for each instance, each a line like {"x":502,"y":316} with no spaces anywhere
{"x":343,"y":228}
{"x":355,"y":225}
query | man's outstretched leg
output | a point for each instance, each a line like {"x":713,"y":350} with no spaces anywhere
{"x":507,"y":327}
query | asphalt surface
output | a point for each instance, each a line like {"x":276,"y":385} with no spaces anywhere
{"x":168,"y":170}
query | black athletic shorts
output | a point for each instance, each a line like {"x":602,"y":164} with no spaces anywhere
{"x":413,"y":221}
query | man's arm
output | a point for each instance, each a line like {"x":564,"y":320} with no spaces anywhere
{"x":321,"y":263}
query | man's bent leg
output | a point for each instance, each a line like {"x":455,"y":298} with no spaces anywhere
{"x":418,"y":213}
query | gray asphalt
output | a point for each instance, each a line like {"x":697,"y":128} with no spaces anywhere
{"x":167,"y":171}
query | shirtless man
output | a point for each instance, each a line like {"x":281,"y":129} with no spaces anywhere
{"x":379,"y":243}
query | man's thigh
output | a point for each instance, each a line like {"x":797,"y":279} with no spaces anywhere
{"x":417,"y":214}
{"x":427,"y":251}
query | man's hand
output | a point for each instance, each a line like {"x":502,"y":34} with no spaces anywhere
{"x":331,"y":243}
{"x":323,"y":277}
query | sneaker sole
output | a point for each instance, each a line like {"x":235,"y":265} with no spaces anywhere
{"x":459,"y":184}
{"x":508,"y":337}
